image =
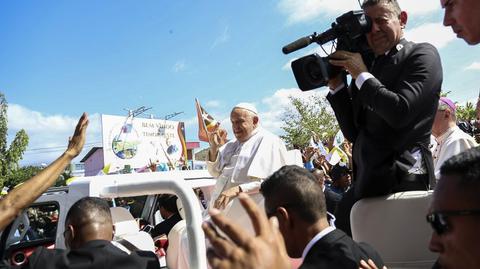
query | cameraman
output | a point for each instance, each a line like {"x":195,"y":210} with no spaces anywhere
{"x":388,"y":109}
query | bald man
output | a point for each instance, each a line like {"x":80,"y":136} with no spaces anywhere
{"x":241,"y":164}
{"x":88,"y":232}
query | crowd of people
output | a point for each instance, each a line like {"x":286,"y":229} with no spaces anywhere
{"x":401,"y":136}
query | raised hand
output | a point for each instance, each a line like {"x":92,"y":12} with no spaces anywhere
{"x":76,"y":142}
{"x":265,"y":250}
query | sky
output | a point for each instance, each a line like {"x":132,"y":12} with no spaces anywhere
{"x":61,"y":58}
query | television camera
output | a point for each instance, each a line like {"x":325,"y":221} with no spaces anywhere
{"x":313,"y":71}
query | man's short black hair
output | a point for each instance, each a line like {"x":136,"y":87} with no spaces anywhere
{"x":296,"y":188}
{"x":465,"y":165}
{"x":168,"y":202}
{"x":338,"y":171}
{"x":89,"y":210}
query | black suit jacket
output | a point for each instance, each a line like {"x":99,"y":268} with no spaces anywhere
{"x":94,"y":254}
{"x":165,"y":226}
{"x":390,"y":115}
{"x":337,"y":250}
{"x":331,"y":199}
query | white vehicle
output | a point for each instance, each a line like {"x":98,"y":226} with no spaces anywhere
{"x":394,"y":224}
{"x":51,"y":209}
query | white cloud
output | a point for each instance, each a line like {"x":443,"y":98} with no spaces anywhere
{"x":270,"y":110}
{"x":298,"y":11}
{"x":179,"y":66}
{"x":473,"y":66}
{"x":212,"y":103}
{"x":48,"y":134}
{"x":414,"y":7}
{"x":434,"y":33}
{"x":277,"y":104}
{"x":222,"y":38}
{"x":191,"y":123}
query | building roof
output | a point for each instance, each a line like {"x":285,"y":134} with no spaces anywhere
{"x":89,"y":153}
{"x":193,"y":145}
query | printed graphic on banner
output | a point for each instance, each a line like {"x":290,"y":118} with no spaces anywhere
{"x":136,"y":142}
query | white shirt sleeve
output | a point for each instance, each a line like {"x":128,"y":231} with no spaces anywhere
{"x":362,"y":78}
{"x":214,"y":167}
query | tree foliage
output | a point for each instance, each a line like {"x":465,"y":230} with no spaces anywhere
{"x":307,"y":117}
{"x":62,"y":179}
{"x":20,"y":175}
{"x":9,"y":156}
{"x":24,"y":173}
{"x":466,"y":112}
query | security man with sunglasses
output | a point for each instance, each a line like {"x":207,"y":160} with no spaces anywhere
{"x":455,"y":212}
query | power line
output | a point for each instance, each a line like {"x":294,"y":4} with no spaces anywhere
{"x":56,"y":147}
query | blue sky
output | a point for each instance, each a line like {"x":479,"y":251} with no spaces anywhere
{"x":60,"y":58}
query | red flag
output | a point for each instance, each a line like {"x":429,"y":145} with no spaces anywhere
{"x":206,"y":123}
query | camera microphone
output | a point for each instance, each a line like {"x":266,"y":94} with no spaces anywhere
{"x":313,"y":71}
{"x":298,"y":44}
{"x":326,"y":36}
{"x":301,"y":43}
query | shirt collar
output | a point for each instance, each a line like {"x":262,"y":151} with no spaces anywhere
{"x":444,"y":136}
{"x":314,"y":240}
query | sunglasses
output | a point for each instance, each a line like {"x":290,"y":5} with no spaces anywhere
{"x":439,"y":220}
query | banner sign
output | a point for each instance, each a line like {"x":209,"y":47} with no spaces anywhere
{"x":137,"y":142}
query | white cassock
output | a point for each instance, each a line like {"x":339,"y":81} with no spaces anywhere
{"x":246,"y":165}
{"x":450,"y":143}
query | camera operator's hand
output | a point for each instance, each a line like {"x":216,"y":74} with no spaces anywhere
{"x":350,"y":61}
{"x":335,"y":82}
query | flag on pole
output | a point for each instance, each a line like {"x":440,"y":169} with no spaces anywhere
{"x":181,"y":135}
{"x":312,"y":143}
{"x":319,"y":145}
{"x":339,"y":139}
{"x":337,"y":155}
{"x":206,"y":123}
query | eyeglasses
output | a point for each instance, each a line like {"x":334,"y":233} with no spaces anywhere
{"x":439,"y":220}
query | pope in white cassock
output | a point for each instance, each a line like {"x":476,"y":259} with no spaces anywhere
{"x":241,"y":164}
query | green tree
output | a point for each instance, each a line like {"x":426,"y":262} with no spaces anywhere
{"x":463,"y":113}
{"x":26,"y":172}
{"x":308,"y":117}
{"x":21,"y":174}
{"x":62,"y":179}
{"x":9,"y":156}
{"x":466,"y":112}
